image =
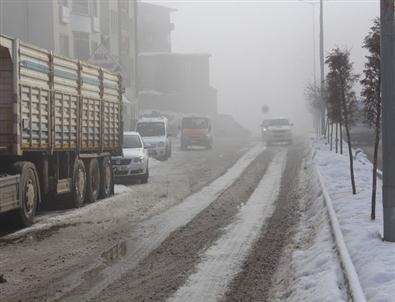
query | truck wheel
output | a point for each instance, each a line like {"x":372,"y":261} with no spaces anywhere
{"x":93,"y":183}
{"x":28,"y":194}
{"x":79,"y":183}
{"x":106,"y":182}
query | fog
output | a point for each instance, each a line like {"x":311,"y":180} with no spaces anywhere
{"x":262,"y":51}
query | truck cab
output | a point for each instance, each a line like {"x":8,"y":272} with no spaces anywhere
{"x":196,"y":130}
{"x":155,"y":134}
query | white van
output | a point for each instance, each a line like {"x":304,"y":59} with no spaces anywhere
{"x":154,"y":132}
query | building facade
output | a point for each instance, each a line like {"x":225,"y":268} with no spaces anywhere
{"x":170,"y":81}
{"x":102,"y":32}
{"x":177,"y":82}
{"x":154,"y":27}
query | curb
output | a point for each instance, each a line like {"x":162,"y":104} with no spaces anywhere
{"x":350,"y":272}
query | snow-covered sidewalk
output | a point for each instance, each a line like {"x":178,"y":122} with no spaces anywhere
{"x":374,"y":260}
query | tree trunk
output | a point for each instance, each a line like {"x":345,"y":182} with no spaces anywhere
{"x":337,"y":137}
{"x":345,"y":112}
{"x":374,"y":186}
{"x":328,"y":129}
{"x":331,"y":136}
{"x":341,"y":137}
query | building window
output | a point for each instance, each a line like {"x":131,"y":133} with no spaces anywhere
{"x":64,"y":3}
{"x":94,"y":8}
{"x":64,"y":45}
{"x":80,"y":7}
{"x":81,"y":45}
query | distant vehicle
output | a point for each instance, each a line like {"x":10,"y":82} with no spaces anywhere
{"x":196,"y":130}
{"x":60,"y":122}
{"x":134,"y":162}
{"x":276,"y":130}
{"x":155,"y":135}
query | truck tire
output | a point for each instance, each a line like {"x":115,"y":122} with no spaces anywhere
{"x":29,"y":194}
{"x":106,"y":181}
{"x":79,"y":184}
{"x":93,"y":183}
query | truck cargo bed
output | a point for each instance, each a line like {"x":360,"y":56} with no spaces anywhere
{"x":52,"y":103}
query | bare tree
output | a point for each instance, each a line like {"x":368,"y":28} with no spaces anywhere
{"x":313,"y":94}
{"x":340,"y":81}
{"x":371,"y":93}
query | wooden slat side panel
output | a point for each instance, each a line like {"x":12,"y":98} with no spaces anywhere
{"x":110,"y":87}
{"x":90,"y":77}
{"x":34,"y":67}
{"x":65,"y":75}
{"x":111,"y":124}
{"x":34,"y":117}
{"x":65,"y":122}
{"x":90,"y":124}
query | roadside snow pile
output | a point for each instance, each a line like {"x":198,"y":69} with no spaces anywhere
{"x":119,"y":189}
{"x":374,"y":260}
{"x":310,"y":269}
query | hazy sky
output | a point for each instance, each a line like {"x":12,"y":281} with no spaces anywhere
{"x":262,"y":51}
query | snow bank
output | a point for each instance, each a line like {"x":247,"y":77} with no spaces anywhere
{"x":374,"y":260}
{"x":310,"y":268}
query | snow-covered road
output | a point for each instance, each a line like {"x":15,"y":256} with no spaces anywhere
{"x":241,"y":222}
{"x":224,"y":258}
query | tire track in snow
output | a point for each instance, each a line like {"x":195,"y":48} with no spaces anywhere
{"x":224,"y":259}
{"x":151,"y":233}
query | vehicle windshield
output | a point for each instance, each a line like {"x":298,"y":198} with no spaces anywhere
{"x":278,"y":122}
{"x":195,"y":123}
{"x":151,"y":129}
{"x":131,"y":141}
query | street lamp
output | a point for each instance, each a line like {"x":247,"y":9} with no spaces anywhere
{"x":322,"y":63}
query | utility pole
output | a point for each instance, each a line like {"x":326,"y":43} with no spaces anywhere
{"x":136,"y":61}
{"x":388,"y":96}
{"x":322,"y":63}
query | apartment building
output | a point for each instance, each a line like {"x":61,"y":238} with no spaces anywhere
{"x":177,"y":82}
{"x":102,"y":32}
{"x":154,"y":27}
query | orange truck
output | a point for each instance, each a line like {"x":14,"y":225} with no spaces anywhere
{"x":196,"y":131}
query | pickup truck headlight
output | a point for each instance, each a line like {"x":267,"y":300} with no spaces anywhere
{"x":138,"y":159}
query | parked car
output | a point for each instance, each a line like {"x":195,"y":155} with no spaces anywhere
{"x":196,"y":130}
{"x":134,"y":163}
{"x":276,"y":130}
{"x":155,"y":135}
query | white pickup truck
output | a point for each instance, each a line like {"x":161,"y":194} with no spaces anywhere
{"x":276,"y":130}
